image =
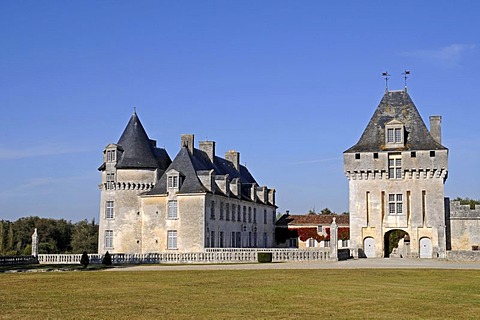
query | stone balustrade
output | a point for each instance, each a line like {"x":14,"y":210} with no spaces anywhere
{"x":212,"y":255}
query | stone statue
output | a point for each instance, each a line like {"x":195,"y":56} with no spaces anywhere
{"x":35,"y":243}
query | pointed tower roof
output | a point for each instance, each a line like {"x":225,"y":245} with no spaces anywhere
{"x":396,"y":106}
{"x":138,"y":148}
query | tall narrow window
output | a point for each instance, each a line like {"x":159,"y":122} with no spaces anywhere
{"x":172,"y":239}
{"x":108,"y":238}
{"x":390,"y":136}
{"x":227,"y":211}
{"x":109,"y":214}
{"x":172,"y":209}
{"x":212,"y":239}
{"x":221,"y":240}
{"x":264,"y":216}
{"x":249,"y":214}
{"x":212,"y":210}
{"x":239,"y":218}
{"x":244,"y":214}
{"x":424,"y":207}
{"x":395,"y":166}
{"x":221,"y":211}
{"x":367,"y":205}
{"x":254,"y":215}
{"x":233,"y":240}
{"x":274,"y":218}
{"x":409,"y":204}
{"x":234,"y":208}
{"x":383,"y":205}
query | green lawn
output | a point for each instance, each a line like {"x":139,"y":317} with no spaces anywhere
{"x":251,"y":294}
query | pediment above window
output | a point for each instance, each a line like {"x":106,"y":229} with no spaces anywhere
{"x":394,"y":134}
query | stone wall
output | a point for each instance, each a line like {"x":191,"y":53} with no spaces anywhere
{"x":462,"y":256}
{"x":463,"y":226}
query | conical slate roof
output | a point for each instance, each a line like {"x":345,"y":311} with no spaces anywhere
{"x":139,"y":151}
{"x":396,"y":105}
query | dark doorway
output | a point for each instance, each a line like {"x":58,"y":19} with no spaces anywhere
{"x":391,"y":240}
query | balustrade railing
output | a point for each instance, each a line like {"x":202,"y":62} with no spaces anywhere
{"x":210,"y":255}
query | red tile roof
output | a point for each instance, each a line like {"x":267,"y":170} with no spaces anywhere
{"x":313,"y":219}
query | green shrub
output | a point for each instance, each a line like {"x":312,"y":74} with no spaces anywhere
{"x":107,"y":259}
{"x":84,"y":261}
{"x":264,"y":257}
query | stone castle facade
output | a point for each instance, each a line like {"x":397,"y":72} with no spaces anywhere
{"x":151,"y":204}
{"x":396,"y":174}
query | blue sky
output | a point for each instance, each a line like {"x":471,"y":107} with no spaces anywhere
{"x":288,"y":84}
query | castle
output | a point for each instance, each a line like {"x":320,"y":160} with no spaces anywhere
{"x":396,"y":173}
{"x":151,"y":204}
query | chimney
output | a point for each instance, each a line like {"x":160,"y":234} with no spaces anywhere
{"x":187,"y":140}
{"x":209,"y":148}
{"x":436,"y":128}
{"x":233,"y":157}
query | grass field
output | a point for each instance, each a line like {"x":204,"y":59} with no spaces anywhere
{"x":240,"y":294}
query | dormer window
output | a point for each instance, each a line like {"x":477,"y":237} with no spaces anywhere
{"x":173,"y":180}
{"x":111,"y":155}
{"x":394,"y":134}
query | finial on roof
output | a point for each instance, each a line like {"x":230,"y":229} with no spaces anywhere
{"x":134,"y":110}
{"x":405,"y":74}
{"x":386,"y":75}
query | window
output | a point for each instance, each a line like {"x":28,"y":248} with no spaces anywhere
{"x":111,"y":155}
{"x":254,"y":215}
{"x":254,"y":239}
{"x":311,"y":243}
{"x":264,"y":216}
{"x":172,"y":239}
{"x":265,"y":240}
{"x":395,"y":166}
{"x":172,"y":209}
{"x":292,"y":242}
{"x":394,"y":134}
{"x":357,"y":156}
{"x":395,"y":204}
{"x":173,"y":181}
{"x":244,"y":214}
{"x":432,"y":154}
{"x":239,"y":218}
{"x":375,"y":155}
{"x":234,"y":207}
{"x":227,"y":211}
{"x":212,"y":210}
{"x":233,"y":239}
{"x":109,"y":210}
{"x":110,"y":180}
{"x":221,"y":210}
{"x":250,"y":214}
{"x":108,"y":238}
{"x":221,"y":244}
{"x":274,"y":218}
{"x":413,"y":154}
{"x":212,"y":239}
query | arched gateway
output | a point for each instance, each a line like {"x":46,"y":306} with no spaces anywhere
{"x":396,"y":243}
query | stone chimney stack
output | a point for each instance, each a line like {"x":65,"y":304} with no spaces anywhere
{"x":187,"y":140}
{"x":436,"y":128}
{"x":233,"y":157}
{"x":209,"y":148}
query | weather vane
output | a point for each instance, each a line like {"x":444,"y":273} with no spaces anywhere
{"x":405,"y":74}
{"x":386,"y":75}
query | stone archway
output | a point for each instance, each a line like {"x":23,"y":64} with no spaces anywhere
{"x":396,"y":243}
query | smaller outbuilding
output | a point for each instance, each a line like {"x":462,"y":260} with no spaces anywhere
{"x":311,"y":230}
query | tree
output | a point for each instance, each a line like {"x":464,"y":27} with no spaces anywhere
{"x":326,"y":211}
{"x":84,"y":261}
{"x":85,"y":237}
{"x":467,"y":200}
{"x":311,"y":212}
